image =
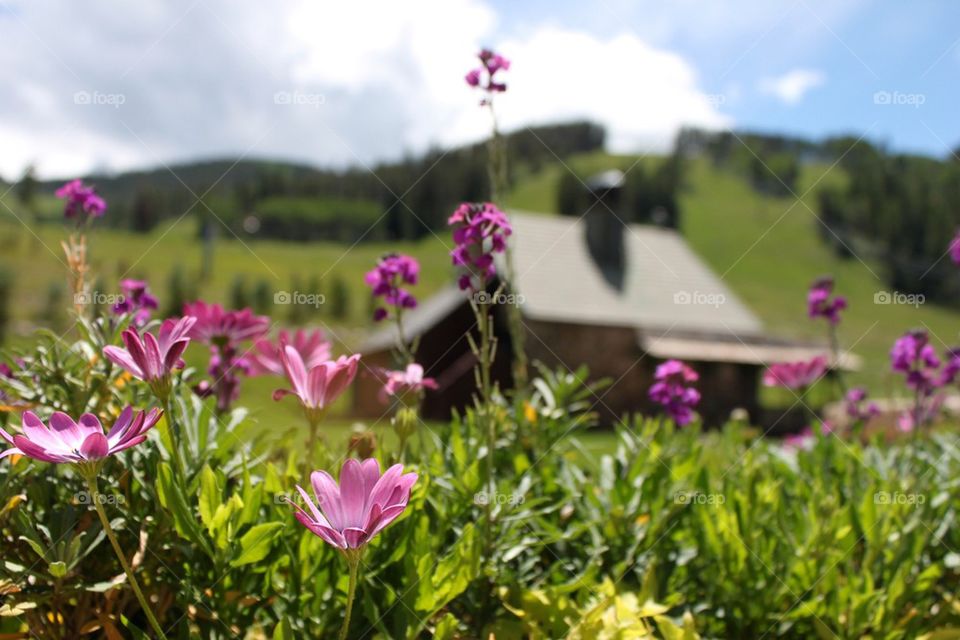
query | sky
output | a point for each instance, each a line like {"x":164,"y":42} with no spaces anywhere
{"x":112,"y":85}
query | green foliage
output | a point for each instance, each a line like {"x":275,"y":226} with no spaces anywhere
{"x":331,"y":219}
{"x":179,"y":292}
{"x":6,"y":301}
{"x":676,"y":534}
{"x":339,"y":302}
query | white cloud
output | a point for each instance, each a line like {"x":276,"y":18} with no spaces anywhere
{"x":367,"y":81}
{"x":792,"y":86}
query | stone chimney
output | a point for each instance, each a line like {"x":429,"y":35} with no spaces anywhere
{"x":604,"y":230}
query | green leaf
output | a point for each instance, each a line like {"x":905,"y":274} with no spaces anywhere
{"x":58,"y":569}
{"x":446,"y":628}
{"x":255,"y":543}
{"x":172,"y":498}
{"x":451,"y":576}
{"x":283,"y":631}
{"x":36,"y":546}
{"x":209,"y":497}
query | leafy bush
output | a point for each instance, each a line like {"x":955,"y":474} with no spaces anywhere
{"x":675,"y":530}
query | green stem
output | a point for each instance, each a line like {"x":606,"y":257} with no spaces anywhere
{"x":174,"y":430}
{"x":486,"y":415}
{"x":353,"y":559}
{"x":95,"y":498}
{"x":311,"y":446}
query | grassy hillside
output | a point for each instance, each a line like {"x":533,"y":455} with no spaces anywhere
{"x":768,"y":250}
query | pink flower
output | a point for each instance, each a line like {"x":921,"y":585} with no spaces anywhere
{"x":319,"y":386}
{"x":411,"y":380}
{"x":264,"y":359}
{"x":673,"y":391}
{"x":217,"y":327}
{"x":66,"y":441}
{"x":349,"y":515}
{"x":804,"y":438}
{"x":81,"y":199}
{"x":153,"y":359}
{"x":387,"y":280}
{"x":800,"y":440}
{"x":955,"y":249}
{"x":821,"y":305}
{"x":137,"y":299}
{"x":480,"y":230}
{"x":857,"y":406}
{"x":491,"y":63}
{"x":795,"y":375}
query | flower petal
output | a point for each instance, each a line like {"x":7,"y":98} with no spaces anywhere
{"x":38,"y":433}
{"x":122,"y":358}
{"x":328,"y":497}
{"x":119,"y":427}
{"x":88,"y":424}
{"x":68,"y":430}
{"x":354,"y":537}
{"x":37,"y":452}
{"x":353,"y":493}
{"x":95,"y":447}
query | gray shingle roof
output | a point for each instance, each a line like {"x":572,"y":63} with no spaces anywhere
{"x":416,"y":321}
{"x":666,"y":285}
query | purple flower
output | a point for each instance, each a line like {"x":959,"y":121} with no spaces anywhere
{"x":349,"y":515}
{"x":795,"y":375}
{"x":137,"y":300}
{"x":216,"y":327}
{"x":409,"y":380}
{"x":265,"y":358}
{"x":485,"y":76}
{"x":855,"y":401}
{"x":803,"y":439}
{"x":955,"y":249}
{"x":319,"y":386}
{"x":913,"y":355}
{"x":153,"y":359}
{"x":673,"y":391}
{"x":821,"y":305}
{"x":387,"y":280}
{"x":66,"y":441}
{"x":81,"y":200}
{"x":224,"y":331}
{"x":480,"y":230}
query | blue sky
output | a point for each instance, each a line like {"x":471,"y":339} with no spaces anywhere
{"x":114,"y":85}
{"x":858,"y":48}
